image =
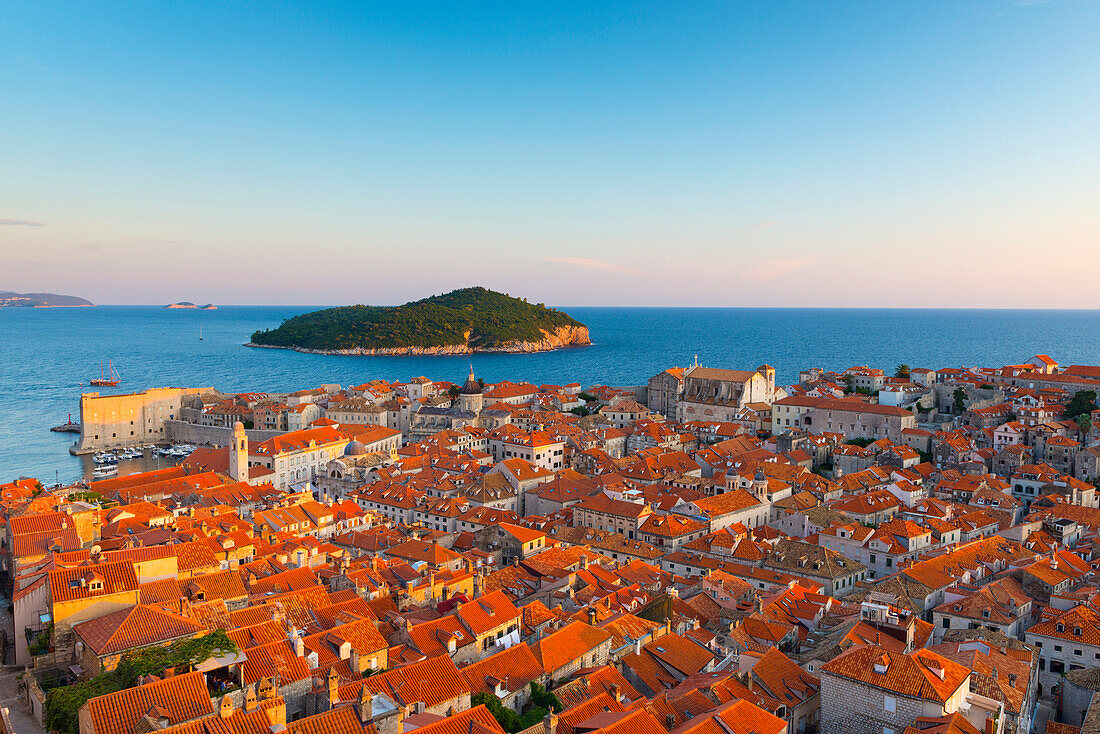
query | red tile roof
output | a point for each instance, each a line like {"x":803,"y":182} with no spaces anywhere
{"x":178,"y":699}
{"x":67,"y":584}
{"x":560,"y":648}
{"x":916,"y":675}
{"x":136,"y":626}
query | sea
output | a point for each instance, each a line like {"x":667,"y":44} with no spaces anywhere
{"x":49,"y":355}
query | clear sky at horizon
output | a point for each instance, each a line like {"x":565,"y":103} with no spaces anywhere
{"x":893,"y":153}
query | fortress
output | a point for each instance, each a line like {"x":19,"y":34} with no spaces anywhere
{"x":120,"y":421}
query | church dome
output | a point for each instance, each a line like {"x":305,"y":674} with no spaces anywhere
{"x":355,"y":448}
{"x":471,"y":387}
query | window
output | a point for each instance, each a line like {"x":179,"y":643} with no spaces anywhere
{"x":890,"y":704}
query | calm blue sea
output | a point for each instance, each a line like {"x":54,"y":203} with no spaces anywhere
{"x":47,"y":353}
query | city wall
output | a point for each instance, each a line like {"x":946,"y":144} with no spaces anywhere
{"x":192,"y":433}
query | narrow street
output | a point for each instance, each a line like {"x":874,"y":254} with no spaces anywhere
{"x":21,"y":720}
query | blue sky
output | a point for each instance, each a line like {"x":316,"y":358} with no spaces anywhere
{"x":893,"y":153}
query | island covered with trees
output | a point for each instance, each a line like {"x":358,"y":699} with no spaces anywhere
{"x":460,"y":322}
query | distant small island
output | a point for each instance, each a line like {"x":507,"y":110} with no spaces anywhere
{"x":188,"y":304}
{"x":10,"y":299}
{"x":463,"y":321}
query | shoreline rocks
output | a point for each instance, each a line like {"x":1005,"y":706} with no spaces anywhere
{"x":561,"y":338}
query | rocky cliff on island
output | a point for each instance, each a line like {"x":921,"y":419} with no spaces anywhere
{"x":465,"y":321}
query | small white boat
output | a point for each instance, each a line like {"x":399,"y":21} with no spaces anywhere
{"x":102,"y":472}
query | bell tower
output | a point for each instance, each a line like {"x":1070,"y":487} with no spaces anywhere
{"x":238,"y":454}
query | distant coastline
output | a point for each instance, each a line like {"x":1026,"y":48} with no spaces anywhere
{"x":11,"y":299}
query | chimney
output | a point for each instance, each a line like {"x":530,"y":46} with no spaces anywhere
{"x":1012,"y":679}
{"x":299,"y":647}
{"x":250,"y":702}
{"x":615,"y":692}
{"x":670,"y":721}
{"x":592,"y":616}
{"x":226,"y":708}
{"x":366,"y":704}
{"x":333,"y":687}
{"x":550,"y":722}
{"x":419,"y":707}
{"x":354,"y":661}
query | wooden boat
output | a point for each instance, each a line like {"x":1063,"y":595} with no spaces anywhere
{"x":109,"y":378}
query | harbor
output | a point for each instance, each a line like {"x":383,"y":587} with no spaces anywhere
{"x":120,"y":462}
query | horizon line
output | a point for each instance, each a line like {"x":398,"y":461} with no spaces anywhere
{"x":647,"y":306}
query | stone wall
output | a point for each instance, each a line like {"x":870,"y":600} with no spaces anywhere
{"x":1075,"y":702}
{"x":850,"y":708}
{"x":35,"y":698}
{"x":976,"y":397}
{"x":192,"y":433}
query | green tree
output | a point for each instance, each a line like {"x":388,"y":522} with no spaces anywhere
{"x":541,"y":703}
{"x":453,"y":392}
{"x":902,"y":370}
{"x":1082,"y":403}
{"x":959,"y":397}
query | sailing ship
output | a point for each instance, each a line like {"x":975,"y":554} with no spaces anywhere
{"x":109,"y":378}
